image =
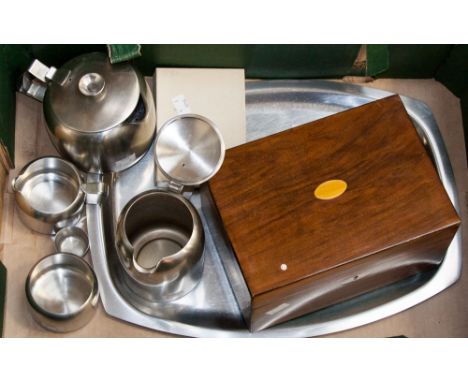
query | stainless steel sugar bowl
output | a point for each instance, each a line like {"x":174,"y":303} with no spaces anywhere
{"x":159,"y":237}
{"x":62,"y":292}
{"x":100,"y":116}
{"x":49,"y":194}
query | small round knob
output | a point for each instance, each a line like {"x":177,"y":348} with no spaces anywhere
{"x":91,"y":84}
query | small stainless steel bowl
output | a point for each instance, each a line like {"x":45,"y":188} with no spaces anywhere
{"x":72,"y":240}
{"x":62,"y":291}
{"x":48,"y":194}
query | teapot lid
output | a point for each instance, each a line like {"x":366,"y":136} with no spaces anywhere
{"x":189,"y":149}
{"x":93,"y":95}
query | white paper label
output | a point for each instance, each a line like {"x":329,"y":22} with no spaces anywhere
{"x":180,"y":104}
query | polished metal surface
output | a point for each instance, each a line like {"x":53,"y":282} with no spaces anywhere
{"x":48,"y":194}
{"x":62,"y":292}
{"x":72,"y":240}
{"x":91,"y":84}
{"x":34,"y":81}
{"x":96,"y":97}
{"x":160,"y":243}
{"x":32,"y":87}
{"x":42,"y":72}
{"x":189,"y":149}
{"x":99,"y":116}
{"x":210,"y":309}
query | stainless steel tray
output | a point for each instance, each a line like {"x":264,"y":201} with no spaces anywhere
{"x":211,"y":310}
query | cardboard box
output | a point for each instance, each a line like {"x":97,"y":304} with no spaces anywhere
{"x":217,"y":94}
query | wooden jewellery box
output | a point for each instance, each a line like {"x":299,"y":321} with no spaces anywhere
{"x":326,"y":211}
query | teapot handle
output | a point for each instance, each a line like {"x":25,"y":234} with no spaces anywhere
{"x":34,"y":81}
{"x":42,"y":72}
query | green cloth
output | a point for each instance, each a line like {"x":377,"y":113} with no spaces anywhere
{"x":123,"y":52}
{"x":406,"y":61}
{"x":453,"y":72}
{"x":377,"y":59}
{"x":13,"y":60}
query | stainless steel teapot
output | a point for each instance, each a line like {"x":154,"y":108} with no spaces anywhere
{"x":99,"y":116}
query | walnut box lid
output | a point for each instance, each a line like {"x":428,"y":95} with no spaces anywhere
{"x":285,"y":225}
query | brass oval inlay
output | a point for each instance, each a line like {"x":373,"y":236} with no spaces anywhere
{"x":330,"y":189}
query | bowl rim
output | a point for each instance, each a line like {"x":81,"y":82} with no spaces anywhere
{"x":24,"y":204}
{"x":93,"y":295}
{"x":72,"y":230}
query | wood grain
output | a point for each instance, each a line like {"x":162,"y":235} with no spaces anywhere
{"x":264,"y":193}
